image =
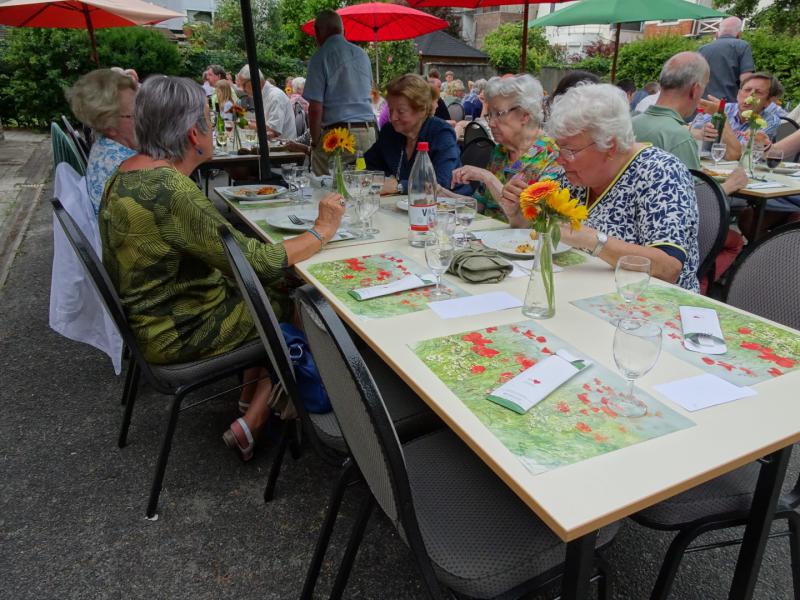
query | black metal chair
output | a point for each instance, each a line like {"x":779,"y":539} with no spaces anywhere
{"x":466,"y":529}
{"x":177,"y":380}
{"x":456,"y":110}
{"x":477,"y":152}
{"x":474,"y":130}
{"x":764,"y":281}
{"x":712,"y":206}
{"x":81,"y":144}
{"x":786,"y":128}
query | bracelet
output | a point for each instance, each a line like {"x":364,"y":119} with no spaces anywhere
{"x":317,"y":235}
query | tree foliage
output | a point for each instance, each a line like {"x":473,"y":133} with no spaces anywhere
{"x":396,"y":58}
{"x":779,"y":54}
{"x":781,"y":16}
{"x":504,"y":48}
{"x":641,"y":60}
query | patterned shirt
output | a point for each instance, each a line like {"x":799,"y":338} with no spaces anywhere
{"x":164,"y":256}
{"x":651,"y":203}
{"x":106,"y":155}
{"x":739,"y":126}
{"x":541,"y":155}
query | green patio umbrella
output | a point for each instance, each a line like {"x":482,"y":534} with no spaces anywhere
{"x":598,"y":12}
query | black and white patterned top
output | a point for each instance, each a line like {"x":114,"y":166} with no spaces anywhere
{"x":651,"y":203}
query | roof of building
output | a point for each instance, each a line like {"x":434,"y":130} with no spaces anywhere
{"x":442,"y":44}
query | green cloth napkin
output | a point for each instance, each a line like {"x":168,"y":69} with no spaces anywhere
{"x":480,"y":265}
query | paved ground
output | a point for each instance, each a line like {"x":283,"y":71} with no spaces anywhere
{"x":72,"y":504}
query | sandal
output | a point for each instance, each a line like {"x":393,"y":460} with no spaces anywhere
{"x":239,"y":438}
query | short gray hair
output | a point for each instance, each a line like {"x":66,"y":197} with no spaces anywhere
{"x":524,"y":90}
{"x":244,"y":73}
{"x":298,"y":83}
{"x":479,"y":86}
{"x":166,"y":109}
{"x":94,"y":98}
{"x":683,"y":70}
{"x":601,"y":110}
{"x":730,"y":26}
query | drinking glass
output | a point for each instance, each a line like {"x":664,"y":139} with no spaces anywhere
{"x":637,"y":346}
{"x":632,"y":276}
{"x":439,"y":255}
{"x":466,"y":208}
{"x":758,"y":152}
{"x":362,"y":210}
{"x":303,"y":180}
{"x":441,"y":224}
{"x":773,"y":159}
{"x":718,"y":153}
{"x":287,"y":172}
{"x":221,"y":139}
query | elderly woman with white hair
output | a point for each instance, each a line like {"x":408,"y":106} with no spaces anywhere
{"x":296,"y":97}
{"x":641,"y":199}
{"x":523,"y":151}
{"x":163,"y":254}
{"x":103,"y":100}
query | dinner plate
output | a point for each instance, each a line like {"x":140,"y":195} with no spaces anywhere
{"x":508,"y":241}
{"x":249,"y":193}
{"x":719,"y":173}
{"x":785,"y":168}
{"x":281,"y":220}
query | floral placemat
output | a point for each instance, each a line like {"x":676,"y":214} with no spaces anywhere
{"x":570,"y":258}
{"x":757,"y":350}
{"x":341,"y":276}
{"x":575,"y":422}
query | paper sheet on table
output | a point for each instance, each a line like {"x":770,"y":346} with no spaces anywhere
{"x":474,"y":305}
{"x":765,"y":185}
{"x":409,"y":282}
{"x":702,"y":391}
{"x":795,"y":174}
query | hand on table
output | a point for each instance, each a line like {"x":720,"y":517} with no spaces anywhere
{"x":735,"y":181}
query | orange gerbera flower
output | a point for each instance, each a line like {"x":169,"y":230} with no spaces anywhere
{"x":538,"y":190}
{"x":338,"y":139}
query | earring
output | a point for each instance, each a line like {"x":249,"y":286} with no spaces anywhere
{"x":200,"y":152}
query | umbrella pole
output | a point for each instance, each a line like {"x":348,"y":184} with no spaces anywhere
{"x":524,"y":61}
{"x":377,"y":61}
{"x":616,"y":52}
{"x":90,"y":29}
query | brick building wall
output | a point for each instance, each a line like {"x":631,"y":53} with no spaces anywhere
{"x":679,"y":28}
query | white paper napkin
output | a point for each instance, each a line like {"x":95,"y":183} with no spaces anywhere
{"x":765,"y":185}
{"x":701,"y":330}
{"x":409,"y":282}
{"x":474,"y":305}
{"x":702,"y":391}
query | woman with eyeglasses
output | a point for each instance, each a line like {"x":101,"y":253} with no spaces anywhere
{"x":514,"y":113}
{"x":164,"y":256}
{"x":103,"y":100}
{"x":641,"y":199}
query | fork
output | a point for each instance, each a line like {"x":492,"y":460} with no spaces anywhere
{"x":298,"y":221}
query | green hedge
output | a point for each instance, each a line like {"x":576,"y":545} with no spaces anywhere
{"x":642,"y":60}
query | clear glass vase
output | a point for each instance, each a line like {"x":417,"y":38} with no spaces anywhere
{"x":338,"y":176}
{"x":540,"y":298}
{"x":746,"y":160}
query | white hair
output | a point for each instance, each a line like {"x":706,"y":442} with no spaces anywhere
{"x":298,"y":83}
{"x":479,"y":86}
{"x":525,"y":91}
{"x":244,"y":73}
{"x":730,"y":26}
{"x":601,"y":110}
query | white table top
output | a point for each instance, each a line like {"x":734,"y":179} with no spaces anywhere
{"x":582,"y":497}
{"x":792,"y":184}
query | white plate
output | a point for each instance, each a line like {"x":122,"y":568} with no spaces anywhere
{"x":786,"y":168}
{"x":281,"y":221}
{"x":507,"y":240}
{"x":247,"y":193}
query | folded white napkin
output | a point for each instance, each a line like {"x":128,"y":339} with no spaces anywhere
{"x":765,"y":185}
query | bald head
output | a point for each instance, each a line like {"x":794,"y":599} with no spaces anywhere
{"x":730,"y":26}
{"x":327,"y":23}
{"x":684,"y":70}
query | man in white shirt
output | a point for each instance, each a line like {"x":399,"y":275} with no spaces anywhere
{"x":277,"y":106}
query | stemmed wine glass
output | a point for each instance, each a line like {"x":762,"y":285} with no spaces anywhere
{"x":637,"y":346}
{"x":353,"y":180}
{"x":376,"y":185}
{"x":439,"y":255}
{"x":718,"y":153}
{"x":287,"y":171}
{"x":441,"y":224}
{"x":466,"y":208}
{"x":774,"y":158}
{"x":632,"y":277}
{"x":302,"y":180}
{"x":758,"y":153}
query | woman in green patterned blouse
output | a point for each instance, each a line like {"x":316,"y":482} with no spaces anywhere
{"x":164,"y":256}
{"x":514,"y":113}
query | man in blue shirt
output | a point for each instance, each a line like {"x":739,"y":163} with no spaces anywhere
{"x":338,"y":89}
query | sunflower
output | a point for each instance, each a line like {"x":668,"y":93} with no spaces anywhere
{"x":330,"y":142}
{"x":339,"y":139}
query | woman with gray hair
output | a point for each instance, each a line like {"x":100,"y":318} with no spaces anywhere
{"x":640,"y":198}
{"x":523,"y":151}
{"x":164,"y":256}
{"x":103,"y":100}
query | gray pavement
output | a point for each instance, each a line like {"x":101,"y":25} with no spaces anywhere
{"x":72,"y":503}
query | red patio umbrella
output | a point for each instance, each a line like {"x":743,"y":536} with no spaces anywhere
{"x":82,"y":14}
{"x":486,"y":3}
{"x":382,"y":22}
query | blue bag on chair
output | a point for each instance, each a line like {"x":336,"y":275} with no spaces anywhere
{"x":309,"y":383}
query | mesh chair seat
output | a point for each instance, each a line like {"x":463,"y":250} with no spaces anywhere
{"x":727,"y":494}
{"x":327,"y":429}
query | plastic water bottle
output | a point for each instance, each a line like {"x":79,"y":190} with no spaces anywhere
{"x":361,"y":164}
{"x":421,"y":196}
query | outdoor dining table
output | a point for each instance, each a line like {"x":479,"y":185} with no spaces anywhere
{"x":576,"y":463}
{"x":230,"y":161}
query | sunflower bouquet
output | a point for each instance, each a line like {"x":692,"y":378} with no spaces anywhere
{"x":239,"y":120}
{"x":755,"y":122}
{"x":546,"y":205}
{"x":335,"y":142}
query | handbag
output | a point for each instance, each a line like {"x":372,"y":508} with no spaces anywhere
{"x":309,"y":383}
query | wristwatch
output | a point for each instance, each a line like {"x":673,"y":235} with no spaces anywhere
{"x":602,"y":239}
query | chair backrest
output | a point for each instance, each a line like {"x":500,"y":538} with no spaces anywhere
{"x":77,"y":139}
{"x":765,"y":279}
{"x":64,"y":150}
{"x":98,"y":276}
{"x":477,"y":152}
{"x":712,"y":207}
{"x":787,"y":128}
{"x":474,"y":130}
{"x":456,"y":110}
{"x":300,"y":119}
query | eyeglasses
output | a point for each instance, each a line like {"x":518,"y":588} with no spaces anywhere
{"x":569,"y":155}
{"x":126,"y":116}
{"x":499,"y":114}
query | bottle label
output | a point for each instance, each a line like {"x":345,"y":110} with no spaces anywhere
{"x":361,"y":164}
{"x":418,"y":216}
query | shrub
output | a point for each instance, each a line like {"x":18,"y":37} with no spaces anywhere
{"x":642,"y":60}
{"x":780,"y":55}
{"x":599,"y":65}
{"x":504,"y":48}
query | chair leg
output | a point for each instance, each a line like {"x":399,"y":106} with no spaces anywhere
{"x":793,"y":520}
{"x":128,"y":400}
{"x":603,"y":579}
{"x":335,"y":501}
{"x":166,"y":446}
{"x":295,"y":443}
{"x":353,"y":544}
{"x":275,"y":469}
{"x":672,"y":562}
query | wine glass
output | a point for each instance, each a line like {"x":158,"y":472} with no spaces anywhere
{"x":439,"y":255}
{"x":466,"y":208}
{"x":441,"y":223}
{"x":632,"y":276}
{"x":376,"y":185}
{"x":758,"y":152}
{"x":363,"y":210}
{"x":221,"y":138}
{"x":288,"y":171}
{"x":718,"y":153}
{"x":303,"y":180}
{"x":637,"y":346}
{"x":774,"y":158}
